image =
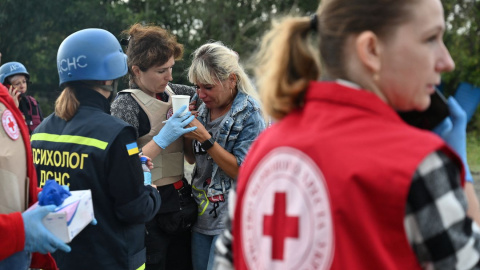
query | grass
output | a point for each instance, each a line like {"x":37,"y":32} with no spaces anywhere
{"x":473,"y":150}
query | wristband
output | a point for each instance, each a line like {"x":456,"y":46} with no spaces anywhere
{"x":208,"y":144}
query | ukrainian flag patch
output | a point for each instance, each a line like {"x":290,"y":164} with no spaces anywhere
{"x":132,"y":148}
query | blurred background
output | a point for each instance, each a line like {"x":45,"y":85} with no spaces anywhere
{"x":31,"y":31}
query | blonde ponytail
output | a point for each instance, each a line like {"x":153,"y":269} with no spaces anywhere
{"x":285,"y":64}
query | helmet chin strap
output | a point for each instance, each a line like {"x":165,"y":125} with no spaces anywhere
{"x":110,"y":88}
{"x":114,"y":91}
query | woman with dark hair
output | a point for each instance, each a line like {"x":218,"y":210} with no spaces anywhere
{"x":147,"y":106}
{"x":341,"y":181}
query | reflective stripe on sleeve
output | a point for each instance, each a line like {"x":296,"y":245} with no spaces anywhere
{"x":70,"y":139}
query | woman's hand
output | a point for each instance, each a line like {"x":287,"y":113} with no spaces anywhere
{"x":453,"y":131}
{"x":200,"y":134}
{"x":192,"y":107}
{"x":176,"y":126}
{"x":224,"y":159}
{"x":15,"y":94}
{"x":149,"y":161}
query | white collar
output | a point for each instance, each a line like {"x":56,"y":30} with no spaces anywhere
{"x":348,"y":84}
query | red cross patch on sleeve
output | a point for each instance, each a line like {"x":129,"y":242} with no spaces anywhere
{"x":10,"y":125}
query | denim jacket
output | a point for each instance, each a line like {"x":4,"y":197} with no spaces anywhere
{"x":238,"y":130}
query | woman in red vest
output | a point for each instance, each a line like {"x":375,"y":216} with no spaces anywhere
{"x":341,"y":181}
{"x":21,"y":233}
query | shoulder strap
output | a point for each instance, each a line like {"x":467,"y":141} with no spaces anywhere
{"x":33,"y":105}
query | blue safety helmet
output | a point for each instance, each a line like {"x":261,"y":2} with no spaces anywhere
{"x":12,"y":68}
{"x":91,"y":54}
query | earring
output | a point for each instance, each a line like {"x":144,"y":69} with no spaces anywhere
{"x":376,"y":77}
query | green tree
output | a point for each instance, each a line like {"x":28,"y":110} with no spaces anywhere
{"x":238,"y":24}
{"x":462,"y":38}
{"x":33,"y":30}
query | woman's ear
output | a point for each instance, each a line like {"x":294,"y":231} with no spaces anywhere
{"x":368,"y":50}
{"x":233,"y":80}
{"x":136,"y":70}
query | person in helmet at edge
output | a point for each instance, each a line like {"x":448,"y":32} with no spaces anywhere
{"x":82,"y":146}
{"x":15,"y":77}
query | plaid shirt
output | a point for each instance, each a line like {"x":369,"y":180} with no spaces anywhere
{"x":437,"y":227}
{"x":436,"y":222}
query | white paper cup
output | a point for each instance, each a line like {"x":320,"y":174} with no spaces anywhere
{"x":178,"y":101}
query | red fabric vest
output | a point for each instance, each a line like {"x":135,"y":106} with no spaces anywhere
{"x":38,"y":260}
{"x":33,"y":113}
{"x":362,"y":157}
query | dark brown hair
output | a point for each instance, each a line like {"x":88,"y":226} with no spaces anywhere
{"x":150,"y":46}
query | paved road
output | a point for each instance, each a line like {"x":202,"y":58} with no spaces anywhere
{"x":476,"y":179}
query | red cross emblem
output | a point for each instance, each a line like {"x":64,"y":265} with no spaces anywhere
{"x":272,"y":227}
{"x":286,"y":221}
{"x":10,"y":125}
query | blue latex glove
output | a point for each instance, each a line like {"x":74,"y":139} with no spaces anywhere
{"x":67,"y":188}
{"x":37,"y":237}
{"x":53,"y":193}
{"x":174,"y":128}
{"x":453,"y":131}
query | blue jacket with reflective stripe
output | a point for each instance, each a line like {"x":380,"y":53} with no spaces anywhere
{"x":89,"y":152}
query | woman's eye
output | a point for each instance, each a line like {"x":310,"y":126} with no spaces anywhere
{"x":432,"y":39}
